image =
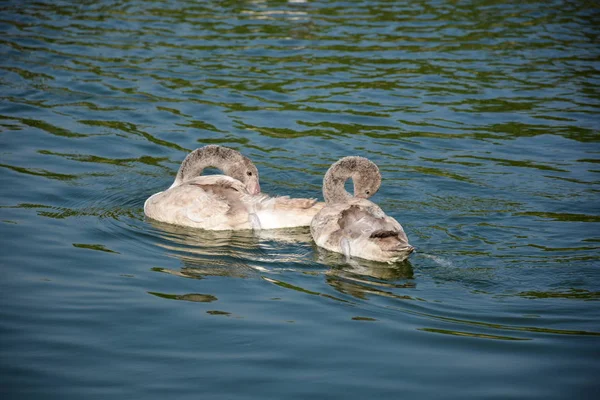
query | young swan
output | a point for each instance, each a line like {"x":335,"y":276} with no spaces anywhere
{"x":225,"y":202}
{"x":353,"y":225}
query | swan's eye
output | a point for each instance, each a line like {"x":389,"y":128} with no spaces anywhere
{"x":367,"y":192}
{"x":249,"y":173}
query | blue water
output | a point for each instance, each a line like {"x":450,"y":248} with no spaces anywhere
{"x":482,"y":116}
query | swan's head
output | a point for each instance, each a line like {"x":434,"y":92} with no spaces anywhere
{"x":367,"y":181}
{"x":246,"y":172}
{"x":364,"y":173}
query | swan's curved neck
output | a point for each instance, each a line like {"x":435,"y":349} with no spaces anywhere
{"x":334,"y":183}
{"x":206,"y":157}
{"x":364,"y":173}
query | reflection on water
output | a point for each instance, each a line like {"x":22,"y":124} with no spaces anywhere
{"x":195,"y":297}
{"x":97,"y":247}
{"x":384,"y":271}
{"x":471,"y":334}
{"x":198,"y":246}
{"x":244,"y":253}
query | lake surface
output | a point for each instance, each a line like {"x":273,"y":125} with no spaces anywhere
{"x":482,"y":116}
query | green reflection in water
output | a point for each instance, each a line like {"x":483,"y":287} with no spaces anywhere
{"x":97,"y":247}
{"x":202,"y":273}
{"x":128,"y":127}
{"x":545,"y":248}
{"x":64,"y":212}
{"x":470,"y":334}
{"x":123,"y":162}
{"x":566,"y":217}
{"x":573,"y":180}
{"x":299,"y":289}
{"x":571,"y":294}
{"x":197,"y":124}
{"x":217,"y":312}
{"x":40,"y":172}
{"x":516,"y":163}
{"x":194,"y":297}
{"x":441,"y":173}
{"x":172,"y":111}
{"x":532,"y":329}
{"x":28,"y":74}
{"x":46,"y":127}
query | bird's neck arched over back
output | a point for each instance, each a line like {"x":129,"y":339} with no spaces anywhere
{"x":213,"y":156}
{"x":360,"y":169}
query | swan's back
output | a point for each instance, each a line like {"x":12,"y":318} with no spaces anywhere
{"x":214,"y":202}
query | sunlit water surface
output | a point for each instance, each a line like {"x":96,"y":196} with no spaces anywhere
{"x":482,"y":116}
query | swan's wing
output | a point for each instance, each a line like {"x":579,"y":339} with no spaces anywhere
{"x":358,"y":220}
{"x":213,"y":202}
{"x":205,"y":205}
{"x":218,"y":202}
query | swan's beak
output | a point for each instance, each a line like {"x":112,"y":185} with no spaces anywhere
{"x":254,"y":188}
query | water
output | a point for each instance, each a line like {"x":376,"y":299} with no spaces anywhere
{"x":482,"y":116}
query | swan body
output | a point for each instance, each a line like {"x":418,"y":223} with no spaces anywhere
{"x":225,"y":202}
{"x":353,"y":225}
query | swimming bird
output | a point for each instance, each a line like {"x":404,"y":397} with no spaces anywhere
{"x":353,"y":225}
{"x":231,"y":201}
